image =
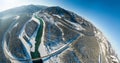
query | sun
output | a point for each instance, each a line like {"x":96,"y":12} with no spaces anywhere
{"x":11,"y":1}
{"x":7,"y":4}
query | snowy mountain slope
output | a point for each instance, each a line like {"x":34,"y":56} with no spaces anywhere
{"x":66,"y":38}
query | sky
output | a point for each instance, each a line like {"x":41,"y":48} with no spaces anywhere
{"x":104,"y":14}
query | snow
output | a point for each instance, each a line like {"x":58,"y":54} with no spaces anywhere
{"x":56,"y":15}
{"x":60,"y":30}
{"x":15,"y":25}
{"x":99,"y":59}
{"x":104,"y":46}
{"x":52,"y":52}
{"x":114,"y":59}
{"x":17,"y":17}
{"x":100,"y":54}
{"x":103,"y":43}
{"x":32,"y":38}
{"x":42,"y":48}
{"x":36,"y":20}
{"x":59,"y":50}
{"x":56,"y":52}
{"x":27,"y":46}
{"x":30,"y":46}
{"x":7,"y":52}
{"x":49,"y":18}
{"x":45,"y":50}
{"x":22,"y":39}
{"x":76,"y":25}
{"x":32,"y":41}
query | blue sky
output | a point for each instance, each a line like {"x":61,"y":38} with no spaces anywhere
{"x":104,"y":14}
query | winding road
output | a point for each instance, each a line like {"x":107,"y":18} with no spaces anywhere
{"x":38,"y":39}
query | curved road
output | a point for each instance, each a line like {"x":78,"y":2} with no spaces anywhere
{"x":11,"y":57}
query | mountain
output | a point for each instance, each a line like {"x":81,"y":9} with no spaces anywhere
{"x":41,"y":34}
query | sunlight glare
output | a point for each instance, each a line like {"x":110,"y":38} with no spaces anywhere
{"x":7,"y":4}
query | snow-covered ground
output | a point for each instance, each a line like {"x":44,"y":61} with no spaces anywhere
{"x":51,"y":53}
{"x":30,"y":46}
{"x":17,"y":17}
{"x":104,"y":46}
{"x":76,"y":25}
{"x":7,"y":53}
{"x":57,"y":15}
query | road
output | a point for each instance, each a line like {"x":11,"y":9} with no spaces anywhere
{"x":4,"y":43}
{"x":56,"y":52}
{"x":42,"y":23}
